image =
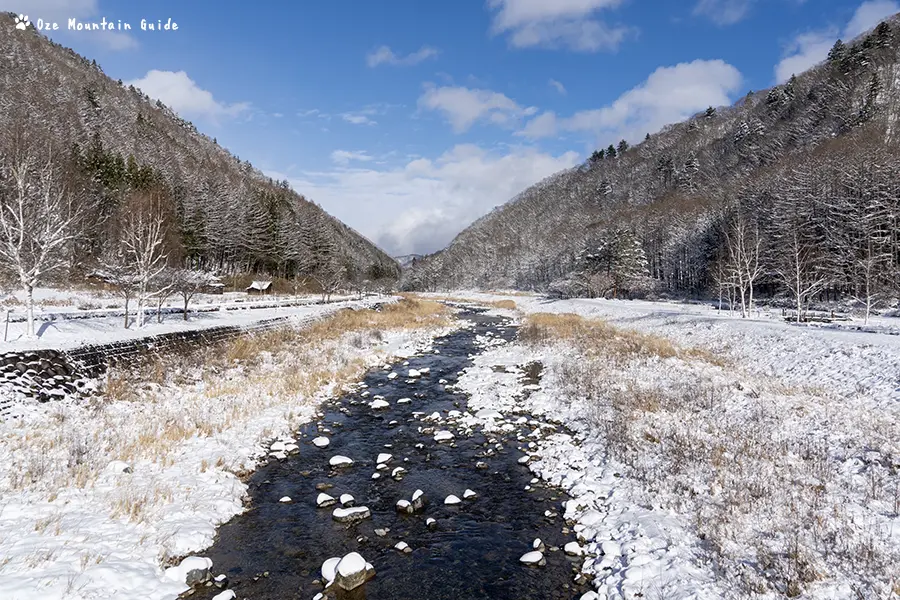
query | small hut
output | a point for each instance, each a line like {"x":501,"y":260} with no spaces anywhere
{"x":258,"y":288}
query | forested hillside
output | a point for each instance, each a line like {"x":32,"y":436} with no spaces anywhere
{"x":793,"y":191}
{"x":102,"y":153}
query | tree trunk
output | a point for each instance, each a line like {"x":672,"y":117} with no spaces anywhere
{"x":126,"y":311}
{"x":186,"y":300}
{"x":159,"y":303}
{"x":29,"y":309}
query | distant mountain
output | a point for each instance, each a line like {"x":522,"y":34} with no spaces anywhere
{"x":792,"y":191}
{"x":112,"y":142}
{"x":407,"y":259}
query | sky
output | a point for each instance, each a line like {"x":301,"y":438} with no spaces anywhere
{"x":409,"y":119}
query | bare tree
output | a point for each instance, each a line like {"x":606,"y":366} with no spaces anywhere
{"x":163,"y":287}
{"x":189,"y":283}
{"x":142,"y":244}
{"x":743,"y":244}
{"x":799,"y":269}
{"x":37,"y":221}
{"x":116,"y":270}
{"x":329,"y":278}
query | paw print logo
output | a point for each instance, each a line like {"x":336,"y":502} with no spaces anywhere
{"x":22,"y":22}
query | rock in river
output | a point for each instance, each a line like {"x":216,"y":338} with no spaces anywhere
{"x":349,"y":515}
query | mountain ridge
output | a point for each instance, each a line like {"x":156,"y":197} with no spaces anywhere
{"x":228,"y":205}
{"x":680,"y":191}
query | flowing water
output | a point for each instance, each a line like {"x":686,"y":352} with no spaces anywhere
{"x":276,"y":549}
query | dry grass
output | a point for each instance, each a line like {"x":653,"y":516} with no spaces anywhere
{"x":505,"y":304}
{"x":214,"y":388}
{"x":595,"y":336}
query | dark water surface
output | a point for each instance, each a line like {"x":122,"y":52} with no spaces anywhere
{"x":275,"y":550}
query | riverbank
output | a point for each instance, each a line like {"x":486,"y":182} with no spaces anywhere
{"x":713,"y":458}
{"x":98,"y":496}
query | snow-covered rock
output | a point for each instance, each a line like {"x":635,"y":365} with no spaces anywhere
{"x":285,"y":499}
{"x":379,"y":404}
{"x":443,"y":436}
{"x":534,"y":558}
{"x":329,"y":570}
{"x":384,"y":458}
{"x":348,"y":515}
{"x":452,"y":500}
{"x":346,"y":500}
{"x":352,"y":571}
{"x":469,"y":494}
{"x":192,"y":571}
{"x":573,"y":549}
{"x":323,"y":500}
{"x":321,"y":442}
{"x":340,"y":461}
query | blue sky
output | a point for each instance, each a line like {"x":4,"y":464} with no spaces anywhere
{"x":409,"y":119}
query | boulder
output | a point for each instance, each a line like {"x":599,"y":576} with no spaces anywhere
{"x":349,"y":515}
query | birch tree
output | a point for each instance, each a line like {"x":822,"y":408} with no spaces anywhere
{"x":743,"y":244}
{"x":37,"y":221}
{"x":142,"y":242}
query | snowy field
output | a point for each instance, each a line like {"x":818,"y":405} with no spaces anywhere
{"x":711,"y":456}
{"x":65,"y":319}
{"x":96,"y":498}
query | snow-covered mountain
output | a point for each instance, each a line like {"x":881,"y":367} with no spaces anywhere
{"x":783,"y":191}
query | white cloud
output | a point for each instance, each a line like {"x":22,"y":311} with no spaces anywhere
{"x":358,"y":119}
{"x":810,"y":48}
{"x":60,"y":11}
{"x":868,"y":15}
{"x":463,"y":106}
{"x":558,"y":86}
{"x":343,"y":157}
{"x":422,"y":204}
{"x":668,"y":95}
{"x":804,"y":52}
{"x":723,"y":12}
{"x":558,"y":24}
{"x":385,"y":56}
{"x":180,"y":93}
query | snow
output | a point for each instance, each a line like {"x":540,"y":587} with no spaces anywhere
{"x":63,"y":327}
{"x":443,"y":436}
{"x":771,"y":435}
{"x":98,"y":498}
{"x":329,"y":569}
{"x":340,"y":461}
{"x":351,"y":564}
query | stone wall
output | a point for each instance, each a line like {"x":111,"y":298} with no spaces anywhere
{"x":45,"y":375}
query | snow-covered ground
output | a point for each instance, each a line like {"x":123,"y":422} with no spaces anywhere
{"x":763,"y":463}
{"x":95,"y":498}
{"x":70,"y":319}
